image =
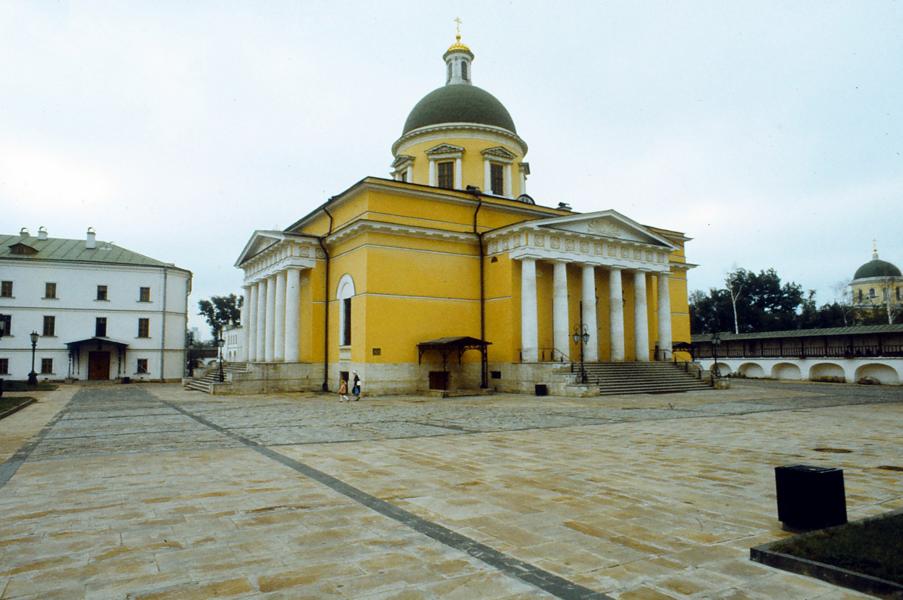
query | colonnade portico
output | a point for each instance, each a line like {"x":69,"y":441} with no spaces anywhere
{"x":560,"y":322}
{"x":607,"y":241}
{"x":272,"y":295}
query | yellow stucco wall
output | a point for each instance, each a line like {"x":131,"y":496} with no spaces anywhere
{"x":410,"y":288}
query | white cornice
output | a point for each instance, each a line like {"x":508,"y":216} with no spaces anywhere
{"x":368,"y":226}
{"x":444,"y":128}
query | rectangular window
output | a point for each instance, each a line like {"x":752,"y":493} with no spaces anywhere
{"x":49,"y":326}
{"x":6,"y":324}
{"x":142,"y":365}
{"x":46,"y":366}
{"x":101,"y":292}
{"x":50,"y":290}
{"x":6,"y":289}
{"x":497,"y":178}
{"x":447,"y":175}
{"x":143,"y":328}
{"x":144,"y":294}
{"x":898,"y":293}
{"x":100,"y":327}
{"x":4,"y":366}
{"x":346,"y":330}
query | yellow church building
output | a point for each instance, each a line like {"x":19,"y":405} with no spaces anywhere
{"x":448,"y":275}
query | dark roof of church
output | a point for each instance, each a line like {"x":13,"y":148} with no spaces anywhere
{"x":459,"y":103}
{"x":877,"y":268}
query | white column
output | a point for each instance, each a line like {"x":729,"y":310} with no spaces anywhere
{"x":247,"y":319}
{"x":260,"y":325}
{"x":664,"y":317}
{"x":270,"y":321}
{"x":292,"y":306}
{"x":529,"y":332}
{"x":591,"y":352}
{"x":432,"y":173}
{"x":616,"y":312}
{"x":508,"y":180}
{"x":279,"y":318}
{"x":640,"y":317}
{"x":487,"y":176}
{"x":459,"y":175}
{"x":523,"y":181}
{"x":560,"y":326}
{"x":410,"y":174}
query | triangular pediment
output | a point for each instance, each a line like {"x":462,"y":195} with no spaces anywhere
{"x":498,"y":152}
{"x":260,"y":241}
{"x":445,"y":149}
{"x":606,"y":224}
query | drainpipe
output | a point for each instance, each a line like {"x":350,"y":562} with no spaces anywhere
{"x":322,"y":240}
{"x":163,"y":329}
{"x":484,"y":361}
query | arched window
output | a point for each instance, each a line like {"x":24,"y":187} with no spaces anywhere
{"x":872,"y":293}
{"x":860,"y":295}
{"x":464,"y":70}
{"x":344,"y":294}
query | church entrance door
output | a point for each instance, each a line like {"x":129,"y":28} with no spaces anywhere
{"x":98,"y":365}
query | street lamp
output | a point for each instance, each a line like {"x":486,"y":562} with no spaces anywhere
{"x":33,"y":377}
{"x":581,"y":336}
{"x":716,"y":341}
{"x":219,"y":344}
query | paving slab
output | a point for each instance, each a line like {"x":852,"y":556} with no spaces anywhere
{"x":149,"y":491}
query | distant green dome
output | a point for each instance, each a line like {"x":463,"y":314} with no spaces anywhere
{"x":877,"y":268}
{"x":459,"y":103}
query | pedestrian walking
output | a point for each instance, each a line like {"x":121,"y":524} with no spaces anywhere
{"x":343,"y":391}
{"x":356,"y":386}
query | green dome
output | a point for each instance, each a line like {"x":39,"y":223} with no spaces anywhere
{"x":459,"y":103}
{"x":877,"y":268}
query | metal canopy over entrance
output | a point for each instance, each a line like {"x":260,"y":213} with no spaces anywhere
{"x":447,"y":345}
{"x":98,"y":360}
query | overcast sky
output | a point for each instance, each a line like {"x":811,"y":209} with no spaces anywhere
{"x":770,"y":132}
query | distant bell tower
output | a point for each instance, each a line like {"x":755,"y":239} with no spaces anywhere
{"x":458,"y":59}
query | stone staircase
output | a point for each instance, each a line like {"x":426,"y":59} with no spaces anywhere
{"x":210,"y":377}
{"x":641,"y":378}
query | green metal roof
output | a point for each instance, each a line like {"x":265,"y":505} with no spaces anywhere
{"x":727,"y":336}
{"x":58,"y":249}
{"x":459,"y":103}
{"x":877,"y":268}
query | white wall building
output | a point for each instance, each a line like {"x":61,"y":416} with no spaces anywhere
{"x":101,"y":311}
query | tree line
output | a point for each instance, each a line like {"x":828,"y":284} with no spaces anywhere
{"x":751,"y":302}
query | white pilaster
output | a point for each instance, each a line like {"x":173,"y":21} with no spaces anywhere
{"x":640,"y":317}
{"x":523,"y":181}
{"x":487,"y":176}
{"x":528,"y":327}
{"x":247,"y":309}
{"x":292,"y":306}
{"x":433,"y":173}
{"x":508,"y":180}
{"x":664,"y":317}
{"x":270,"y":321}
{"x":260,"y":325}
{"x":591,"y":353}
{"x":279,"y":318}
{"x":459,"y":175}
{"x":410,"y":174}
{"x":616,"y":312}
{"x":560,"y":327}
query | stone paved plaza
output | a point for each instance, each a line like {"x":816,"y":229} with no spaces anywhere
{"x":153,"y":492}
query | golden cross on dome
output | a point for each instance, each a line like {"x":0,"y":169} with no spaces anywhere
{"x":458,"y":22}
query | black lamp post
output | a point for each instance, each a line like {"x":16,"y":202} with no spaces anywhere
{"x":219,"y":344}
{"x":716,"y":341}
{"x":581,"y":336}
{"x":33,"y":377}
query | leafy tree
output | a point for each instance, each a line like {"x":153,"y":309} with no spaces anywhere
{"x":220,"y":311}
{"x":751,"y":302}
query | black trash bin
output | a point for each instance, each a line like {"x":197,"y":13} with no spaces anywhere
{"x":542,"y":389}
{"x":810,"y":497}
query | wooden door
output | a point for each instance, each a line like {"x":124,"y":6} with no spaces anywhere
{"x":438,"y":380}
{"x":99,"y":365}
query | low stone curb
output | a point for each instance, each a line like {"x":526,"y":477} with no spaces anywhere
{"x":835,"y":575}
{"x":14,"y":409}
